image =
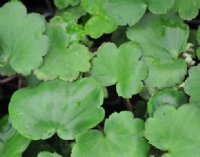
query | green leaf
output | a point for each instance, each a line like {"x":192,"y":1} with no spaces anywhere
{"x":48,"y":154}
{"x":160,"y":6}
{"x":122,"y":137}
{"x":125,"y":11}
{"x":175,"y":131}
{"x":12,"y":144}
{"x":167,"y":96}
{"x":57,"y":107}
{"x":65,"y":63}
{"x":99,"y":25}
{"x":187,"y":10}
{"x":94,"y":7}
{"x":162,"y":39}
{"x":192,"y":86}
{"x":61,"y":4}
{"x":121,"y":66}
{"x":22,"y":43}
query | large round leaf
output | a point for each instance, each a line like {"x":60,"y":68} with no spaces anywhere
{"x":122,"y":137}
{"x":121,"y":66}
{"x":192,"y":86}
{"x":22,"y":43}
{"x":57,"y":107}
{"x":175,"y":131}
{"x":12,"y":144}
{"x":125,"y":11}
{"x":162,"y":39}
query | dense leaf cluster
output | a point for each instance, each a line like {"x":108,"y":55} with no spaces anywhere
{"x":150,"y":54}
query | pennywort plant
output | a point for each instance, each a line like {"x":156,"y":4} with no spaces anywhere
{"x":144,"y":50}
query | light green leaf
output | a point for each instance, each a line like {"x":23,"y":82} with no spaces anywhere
{"x":125,"y":11}
{"x":162,"y":39}
{"x":192,"y":86}
{"x":160,"y":6}
{"x":121,"y":66}
{"x":122,"y":137}
{"x":48,"y":154}
{"x":61,"y":4}
{"x":22,"y":43}
{"x":63,"y":62}
{"x":167,"y":96}
{"x":94,"y":7}
{"x":96,"y":26}
{"x":12,"y":144}
{"x":57,"y":107}
{"x":175,"y":131}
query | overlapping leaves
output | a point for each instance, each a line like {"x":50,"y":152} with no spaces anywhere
{"x":122,"y":137}
{"x":57,"y":107}
{"x":162,"y":39}
{"x":121,"y":66}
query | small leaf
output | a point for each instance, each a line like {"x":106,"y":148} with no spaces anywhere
{"x":61,"y":4}
{"x":175,"y":131}
{"x":123,"y":137}
{"x":192,"y":86}
{"x":65,"y":63}
{"x":125,"y":11}
{"x":22,"y":43}
{"x":12,"y":144}
{"x":57,"y":107}
{"x":167,"y":96}
{"x":162,"y":39}
{"x":94,"y":7}
{"x":121,"y":66}
{"x":99,"y":25}
{"x":48,"y":154}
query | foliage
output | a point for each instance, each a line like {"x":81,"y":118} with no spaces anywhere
{"x":72,"y":65}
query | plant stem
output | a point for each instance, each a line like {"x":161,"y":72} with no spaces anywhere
{"x":128,"y":104}
{"x":8,"y":79}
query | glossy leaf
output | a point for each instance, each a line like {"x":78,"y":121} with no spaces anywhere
{"x":48,"y":154}
{"x":122,"y":137}
{"x":192,"y":87}
{"x":12,"y":144}
{"x":175,"y":131}
{"x":167,"y":96}
{"x":57,"y":107}
{"x":162,"y":39}
{"x":21,"y":38}
{"x":121,"y":66}
{"x":125,"y":11}
{"x":63,"y":62}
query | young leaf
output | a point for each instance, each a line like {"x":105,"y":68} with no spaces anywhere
{"x":192,"y":86}
{"x":122,"y":137}
{"x":48,"y":154}
{"x":121,"y":66}
{"x":162,"y":39}
{"x":125,"y":11}
{"x":63,"y":62}
{"x":94,"y":7}
{"x":96,"y":26}
{"x":61,"y":4}
{"x":160,"y":6}
{"x":57,"y":107}
{"x":167,"y":96}
{"x":22,"y":43}
{"x":12,"y":144}
{"x":175,"y":131}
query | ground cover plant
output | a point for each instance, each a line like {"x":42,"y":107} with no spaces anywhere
{"x":100,"y":78}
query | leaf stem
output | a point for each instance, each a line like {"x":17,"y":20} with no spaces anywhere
{"x":8,"y":79}
{"x":128,"y":104}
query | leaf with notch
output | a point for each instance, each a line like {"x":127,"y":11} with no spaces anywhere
{"x":57,"y":107}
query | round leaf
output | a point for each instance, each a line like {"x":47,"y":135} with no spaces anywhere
{"x":121,"y":66}
{"x":48,"y":154}
{"x":57,"y":107}
{"x":125,"y":11}
{"x":22,"y":43}
{"x":122,"y":137}
{"x":175,"y":131}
